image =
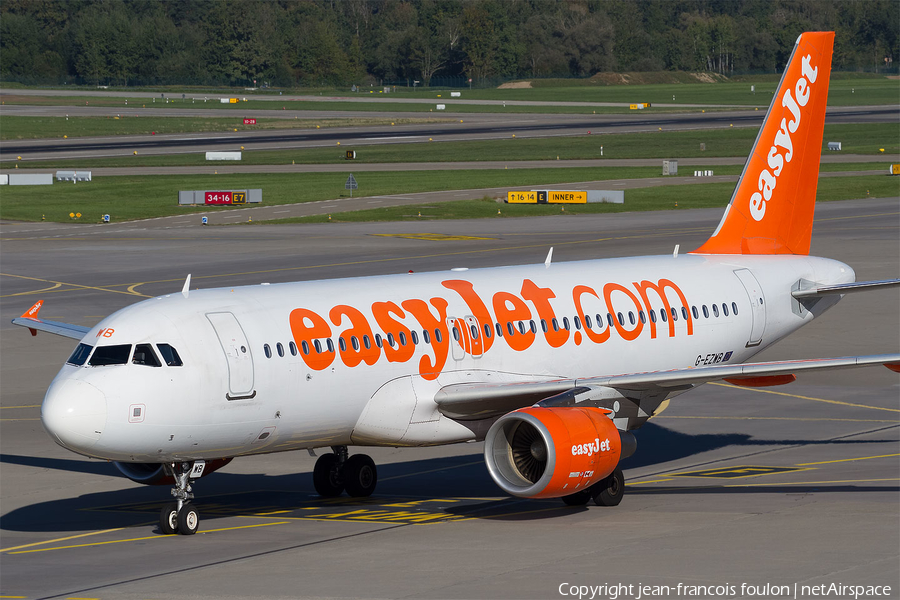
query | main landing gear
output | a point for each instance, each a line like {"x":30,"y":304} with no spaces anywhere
{"x":335,"y":472}
{"x":606,"y":492}
{"x":180,"y":516}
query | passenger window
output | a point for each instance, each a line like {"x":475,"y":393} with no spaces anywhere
{"x":684,"y":313}
{"x":144,"y":355}
{"x":293,"y":347}
{"x":609,"y":319}
{"x":674,"y":314}
{"x":487,"y":330}
{"x":367,"y":342}
{"x":631,"y":317}
{"x":577,"y":322}
{"x":587,"y":321}
{"x":566,"y":323}
{"x":402,"y":338}
{"x":522,"y":326}
{"x":280,"y":349}
{"x":378,"y":340}
{"x":110,"y":355}
{"x":268,"y":351}
{"x":662,"y":315}
{"x":455,"y":333}
{"x":652,"y":316}
{"x":79,"y":355}
{"x":599,"y":321}
{"x":354,"y":341}
{"x":509,"y":327}
{"x":544,"y":325}
{"x":304,"y":344}
{"x":415,"y":337}
{"x":330,"y":345}
{"x":705,"y":312}
{"x":437,"y":336}
{"x":316,"y":344}
{"x":621,"y":319}
{"x":555,"y":324}
{"x":734,"y":307}
{"x":532,"y":326}
{"x":724,"y":309}
{"x":169,"y":355}
{"x":390,"y":340}
{"x":426,"y":337}
{"x":694,"y":312}
{"x":499,"y":330}
{"x":715,"y":310}
{"x":474,"y":331}
{"x":342,"y":344}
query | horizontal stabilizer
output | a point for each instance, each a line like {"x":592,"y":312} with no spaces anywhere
{"x":844,"y":288}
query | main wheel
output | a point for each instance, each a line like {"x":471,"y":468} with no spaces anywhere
{"x":578,"y":498}
{"x":188,"y":519}
{"x":327,"y":477}
{"x":609,"y":491}
{"x":360,"y":476}
{"x":168,"y":518}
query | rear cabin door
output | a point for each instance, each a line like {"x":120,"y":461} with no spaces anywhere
{"x":757,"y":305}
{"x":237,"y":353}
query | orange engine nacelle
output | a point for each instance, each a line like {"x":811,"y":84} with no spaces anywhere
{"x":553,"y":452}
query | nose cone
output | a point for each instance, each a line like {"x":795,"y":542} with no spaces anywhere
{"x":74,"y":413}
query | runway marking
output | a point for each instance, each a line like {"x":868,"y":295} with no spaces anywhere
{"x":23,"y":406}
{"x":890,"y":214}
{"x":62,"y":539}
{"x":432,"y":236}
{"x":76,"y":285}
{"x":643,"y":482}
{"x":468,"y":464}
{"x":827,"y":462}
{"x":40,"y":291}
{"x":141,"y":539}
{"x":806,"y":397}
{"x":810,"y":482}
{"x":738,"y":472}
{"x":782,"y":419}
{"x":27,"y":419}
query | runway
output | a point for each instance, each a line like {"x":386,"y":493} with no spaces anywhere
{"x":793,"y":484}
{"x":482,"y":127}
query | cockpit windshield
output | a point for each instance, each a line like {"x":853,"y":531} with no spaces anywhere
{"x":80,"y":355}
{"x":144,"y":355}
{"x":170,"y":355}
{"x":110,"y":355}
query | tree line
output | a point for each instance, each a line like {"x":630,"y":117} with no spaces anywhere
{"x":339,"y":42}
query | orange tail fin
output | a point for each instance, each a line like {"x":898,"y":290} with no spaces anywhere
{"x":771,"y":210}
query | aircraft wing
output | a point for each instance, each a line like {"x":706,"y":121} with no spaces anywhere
{"x":30,"y":320}
{"x":467,"y":401}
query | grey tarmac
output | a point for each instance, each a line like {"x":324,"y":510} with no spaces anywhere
{"x":826,"y":508}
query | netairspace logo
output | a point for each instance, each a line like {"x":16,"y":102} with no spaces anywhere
{"x":614,"y":591}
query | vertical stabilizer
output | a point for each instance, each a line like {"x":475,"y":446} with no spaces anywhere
{"x":771,"y":210}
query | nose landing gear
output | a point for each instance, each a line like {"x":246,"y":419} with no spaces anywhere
{"x":180,"y":516}
{"x":335,"y":473}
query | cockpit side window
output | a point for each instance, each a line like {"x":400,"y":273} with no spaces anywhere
{"x":170,"y":355}
{"x":144,"y":355}
{"x":110,"y":355}
{"x":80,"y":355}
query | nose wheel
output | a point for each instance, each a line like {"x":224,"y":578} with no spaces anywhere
{"x":180,"y":515}
{"x":335,"y":473}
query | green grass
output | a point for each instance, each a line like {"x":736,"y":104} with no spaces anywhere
{"x":679,"y":197}
{"x":126,"y":198}
{"x":23,"y":128}
{"x":857,"y":139}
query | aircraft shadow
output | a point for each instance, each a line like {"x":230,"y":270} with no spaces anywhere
{"x":451,"y":485}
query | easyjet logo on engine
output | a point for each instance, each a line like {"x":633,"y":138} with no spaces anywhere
{"x":511,"y":312}
{"x":782,"y":149}
{"x":591,"y":447}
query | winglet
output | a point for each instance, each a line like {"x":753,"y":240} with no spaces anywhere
{"x":549,"y":257}
{"x":32,"y":313}
{"x":187,"y":286}
{"x":771,"y":209}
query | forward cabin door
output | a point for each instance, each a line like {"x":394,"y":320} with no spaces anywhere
{"x":757,"y":305}
{"x":237,"y":353}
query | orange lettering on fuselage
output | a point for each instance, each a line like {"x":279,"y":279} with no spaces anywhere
{"x":306,"y":334}
{"x":509,"y":309}
{"x":359,"y":344}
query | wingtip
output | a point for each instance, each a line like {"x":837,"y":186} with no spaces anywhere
{"x":32,"y":312}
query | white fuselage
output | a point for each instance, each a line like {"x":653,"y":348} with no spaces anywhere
{"x":233,"y":397}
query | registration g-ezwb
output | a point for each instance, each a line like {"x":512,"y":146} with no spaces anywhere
{"x":552,"y":365}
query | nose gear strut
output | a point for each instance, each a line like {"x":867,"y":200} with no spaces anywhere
{"x":180,"y":516}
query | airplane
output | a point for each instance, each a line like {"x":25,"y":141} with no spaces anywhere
{"x":553,"y":366}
